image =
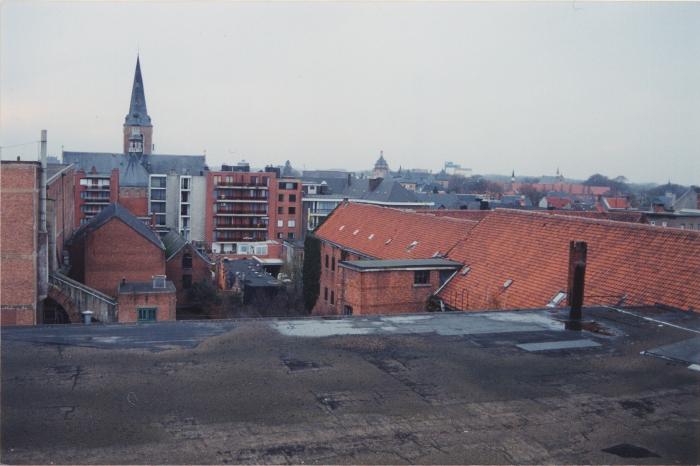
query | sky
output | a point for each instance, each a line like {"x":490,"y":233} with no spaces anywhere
{"x":609,"y":88}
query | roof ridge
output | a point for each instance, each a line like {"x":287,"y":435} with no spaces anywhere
{"x":600,"y":221}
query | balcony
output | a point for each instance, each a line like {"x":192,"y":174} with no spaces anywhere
{"x":241,"y":212}
{"x":95,"y":200}
{"x":96,"y":188}
{"x":241,"y":185}
{"x":223,"y":198}
{"x":231,"y":236}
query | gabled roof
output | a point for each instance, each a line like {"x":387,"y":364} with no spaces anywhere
{"x":644,"y":264}
{"x":120,"y":212}
{"x":174,"y":242}
{"x":385,"y":233}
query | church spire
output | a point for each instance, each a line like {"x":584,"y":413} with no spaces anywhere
{"x":138,"y":114}
{"x":138,"y":130}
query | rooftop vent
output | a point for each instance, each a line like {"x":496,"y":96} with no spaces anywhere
{"x":370,"y":236}
{"x":387,"y":241}
{"x":507,"y":283}
{"x":412,"y":246}
{"x":465,"y":270}
{"x":356,"y":232}
{"x":341,"y":228}
{"x":558,"y":298}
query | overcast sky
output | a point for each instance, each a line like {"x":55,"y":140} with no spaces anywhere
{"x":587,"y":87}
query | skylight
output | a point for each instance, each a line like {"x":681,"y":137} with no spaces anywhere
{"x":507,"y":283}
{"x":465,"y":270}
{"x":558,"y":298}
{"x":387,"y":241}
{"x":356,"y":232}
{"x":412,"y":245}
{"x":341,"y":228}
{"x":370,"y":236}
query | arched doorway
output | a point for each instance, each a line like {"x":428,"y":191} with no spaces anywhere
{"x":54,"y":313}
{"x":59,"y":308}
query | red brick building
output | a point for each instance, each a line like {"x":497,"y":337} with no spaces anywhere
{"x":115,"y":245}
{"x":60,"y":209}
{"x":361,"y":232}
{"x":19,"y":232}
{"x":147,"y":301}
{"x":185,"y":265}
{"x":246,"y":209}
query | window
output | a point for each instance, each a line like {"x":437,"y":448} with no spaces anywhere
{"x":279,"y":235}
{"x":292,"y":198}
{"x":332,"y":297}
{"x":292,"y":210}
{"x":157,"y":194}
{"x":421,"y":277}
{"x":347,"y":310}
{"x":325,"y":292}
{"x":291,"y":223}
{"x":280,"y":210}
{"x":158,"y":182}
{"x":332,"y":263}
{"x":280,"y":197}
{"x":147,"y":314}
{"x":280,"y":223}
{"x":187,"y":261}
{"x":187,"y":281}
{"x":290,"y":235}
{"x":265,"y":180}
{"x":326,"y":260}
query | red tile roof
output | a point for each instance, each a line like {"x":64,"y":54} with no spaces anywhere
{"x":617,"y":202}
{"x":647,"y":265}
{"x":558,"y":202}
{"x":475,"y":215}
{"x":385,"y":233}
{"x":631,"y":216}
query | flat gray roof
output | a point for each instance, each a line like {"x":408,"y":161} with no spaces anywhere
{"x":418,"y":264}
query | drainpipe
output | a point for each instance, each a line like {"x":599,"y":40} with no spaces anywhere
{"x":42,"y":262}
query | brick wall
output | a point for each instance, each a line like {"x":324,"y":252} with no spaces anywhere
{"x":175,"y":271}
{"x":19,"y":210}
{"x":135,"y":199}
{"x":60,"y":207}
{"x":331,"y":278}
{"x":115,"y":251}
{"x":387,"y":292}
{"x":129,"y":304}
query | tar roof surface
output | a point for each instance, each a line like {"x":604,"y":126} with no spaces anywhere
{"x":444,"y":388}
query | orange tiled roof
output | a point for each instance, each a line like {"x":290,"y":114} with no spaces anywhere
{"x":617,"y":202}
{"x":475,"y":215}
{"x":647,"y":265}
{"x":385,"y":233}
{"x":558,"y":202}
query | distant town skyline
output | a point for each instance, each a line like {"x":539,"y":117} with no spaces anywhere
{"x":584,"y":87}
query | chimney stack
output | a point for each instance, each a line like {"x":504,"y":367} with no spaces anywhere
{"x":577,"y":277}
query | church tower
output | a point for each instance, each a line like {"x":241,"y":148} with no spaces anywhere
{"x":381,"y":168}
{"x":138,"y":131}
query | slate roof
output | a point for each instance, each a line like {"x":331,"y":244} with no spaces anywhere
{"x":174,"y":242}
{"x":387,"y":191}
{"x":116,"y":210}
{"x":385,"y":233}
{"x":138,"y":114}
{"x":645,"y":264}
{"x":335,"y":185}
{"x":134,"y":170}
{"x":432,"y":263}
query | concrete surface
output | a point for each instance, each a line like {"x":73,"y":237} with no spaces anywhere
{"x":440,"y":388}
